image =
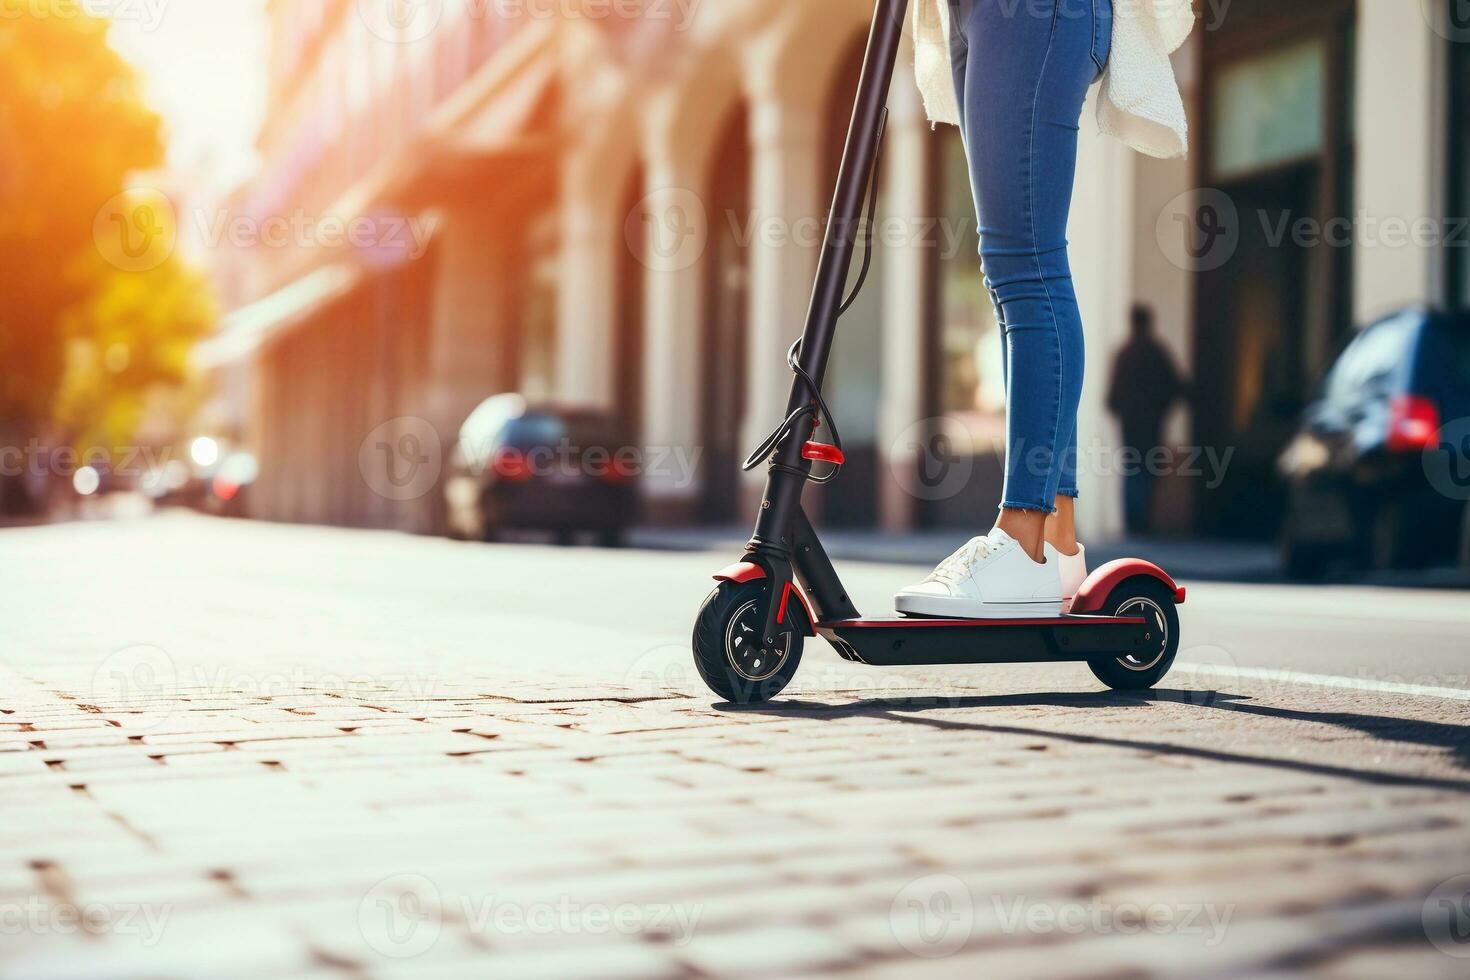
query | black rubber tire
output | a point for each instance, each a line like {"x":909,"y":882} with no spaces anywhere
{"x":716,"y":663}
{"x":1148,"y":596}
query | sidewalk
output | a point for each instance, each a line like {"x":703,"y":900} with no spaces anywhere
{"x":240,"y":750}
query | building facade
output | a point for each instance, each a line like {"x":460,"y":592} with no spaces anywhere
{"x":625,"y":211}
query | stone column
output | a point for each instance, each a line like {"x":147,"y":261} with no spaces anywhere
{"x":473,"y":301}
{"x":907,"y":269}
{"x":587,"y":295}
{"x":1395,"y":167}
{"x":472,"y":306}
{"x":788,"y":225}
{"x":676,"y":234}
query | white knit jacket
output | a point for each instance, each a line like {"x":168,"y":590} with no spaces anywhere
{"x":1139,"y":101}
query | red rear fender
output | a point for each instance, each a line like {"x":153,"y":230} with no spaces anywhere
{"x":1093,"y":595}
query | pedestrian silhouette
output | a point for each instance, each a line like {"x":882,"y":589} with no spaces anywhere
{"x":1143,"y":387}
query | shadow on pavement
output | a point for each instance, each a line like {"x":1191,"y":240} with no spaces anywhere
{"x":1455,"y":738}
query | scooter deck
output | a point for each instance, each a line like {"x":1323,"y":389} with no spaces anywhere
{"x":914,"y":641}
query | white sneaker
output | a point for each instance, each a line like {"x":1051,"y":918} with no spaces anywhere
{"x":1074,"y":572}
{"x":989,"y":578}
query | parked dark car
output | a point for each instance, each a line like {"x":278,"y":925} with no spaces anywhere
{"x":1378,"y":474}
{"x":562,"y":469}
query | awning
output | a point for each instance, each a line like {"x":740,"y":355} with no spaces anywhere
{"x":243,"y":331}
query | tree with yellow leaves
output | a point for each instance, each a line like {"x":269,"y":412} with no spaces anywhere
{"x":89,"y":318}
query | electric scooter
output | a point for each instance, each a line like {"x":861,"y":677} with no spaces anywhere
{"x":748,"y":638}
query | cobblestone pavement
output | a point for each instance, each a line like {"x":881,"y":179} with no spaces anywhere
{"x":233,"y":750}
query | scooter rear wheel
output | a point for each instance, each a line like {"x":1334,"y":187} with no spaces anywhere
{"x":728,"y":652}
{"x":1149,"y":599}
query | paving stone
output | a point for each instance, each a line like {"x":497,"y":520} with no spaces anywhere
{"x":368,"y":737}
{"x":777,"y":951}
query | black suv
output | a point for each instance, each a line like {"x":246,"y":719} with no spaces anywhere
{"x":1379,"y":473}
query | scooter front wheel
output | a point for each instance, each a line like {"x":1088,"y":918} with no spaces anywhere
{"x":728,"y":649}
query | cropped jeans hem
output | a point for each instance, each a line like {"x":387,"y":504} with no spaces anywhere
{"x":1017,"y":505}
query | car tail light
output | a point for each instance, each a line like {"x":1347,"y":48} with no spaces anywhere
{"x":224,"y":489}
{"x":512,"y":465}
{"x":1413,"y":424}
{"x":615,"y":475}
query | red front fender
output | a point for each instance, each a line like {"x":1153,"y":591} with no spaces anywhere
{"x":1100,"y":584}
{"x":749,"y":571}
{"x":741,"y":571}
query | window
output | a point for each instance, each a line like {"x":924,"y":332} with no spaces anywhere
{"x":1268,"y":110}
{"x":1374,"y":359}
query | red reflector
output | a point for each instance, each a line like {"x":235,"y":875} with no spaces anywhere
{"x":510,"y":464}
{"x":1413,"y":424}
{"x":823,"y":453}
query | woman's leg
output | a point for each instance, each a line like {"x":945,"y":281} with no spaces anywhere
{"x":1061,"y":527}
{"x":1027,"y":67}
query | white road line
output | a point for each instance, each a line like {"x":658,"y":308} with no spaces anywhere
{"x":1328,"y":680}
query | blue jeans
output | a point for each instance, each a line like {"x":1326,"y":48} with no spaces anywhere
{"x":1022,"y":69}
